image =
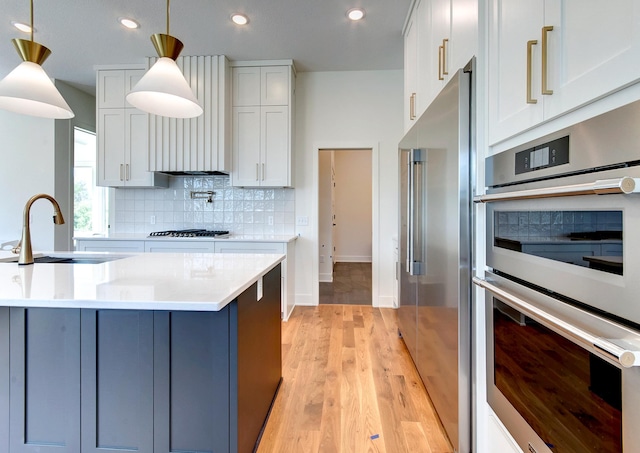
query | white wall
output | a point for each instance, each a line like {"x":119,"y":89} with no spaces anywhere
{"x":353,"y":205}
{"x":37,"y":158}
{"x":27,"y":168}
{"x":358,"y":109}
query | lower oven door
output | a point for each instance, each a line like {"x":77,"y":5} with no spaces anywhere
{"x":559,"y":378}
{"x":581,"y":247}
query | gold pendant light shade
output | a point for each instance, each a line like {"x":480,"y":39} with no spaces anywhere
{"x":163,"y":90}
{"x":28,"y":89}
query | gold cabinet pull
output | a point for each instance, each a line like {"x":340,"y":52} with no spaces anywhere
{"x":121,"y":175}
{"x":127,"y":175}
{"x":257,"y":175}
{"x":444,"y":57}
{"x":440,"y":57}
{"x":412,"y":106}
{"x":263,"y":171}
{"x":545,"y":31}
{"x":530,"y":44}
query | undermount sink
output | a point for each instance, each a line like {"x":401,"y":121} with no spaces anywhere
{"x":67,"y":259}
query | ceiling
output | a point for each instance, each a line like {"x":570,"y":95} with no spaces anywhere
{"x":316,"y":34}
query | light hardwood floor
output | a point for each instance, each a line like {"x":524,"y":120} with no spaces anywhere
{"x":349,"y":386}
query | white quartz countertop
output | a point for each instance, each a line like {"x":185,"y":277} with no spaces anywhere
{"x":144,"y":281}
{"x":232,"y":238}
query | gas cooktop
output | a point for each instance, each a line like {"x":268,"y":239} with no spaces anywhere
{"x":190,"y":233}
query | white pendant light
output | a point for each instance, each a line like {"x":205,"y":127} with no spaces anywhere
{"x":163,"y":90}
{"x":27,"y":89}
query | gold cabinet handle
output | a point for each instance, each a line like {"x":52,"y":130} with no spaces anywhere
{"x":121,"y":175}
{"x":444,"y":57}
{"x":530,"y":44}
{"x":257,"y":176}
{"x":545,"y":31}
{"x":128,"y":176}
{"x":263,"y":171}
{"x":412,"y":106}
{"x":440,"y":56}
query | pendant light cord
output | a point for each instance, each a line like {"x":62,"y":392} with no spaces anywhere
{"x":31,"y":12}
{"x":167,"y":16}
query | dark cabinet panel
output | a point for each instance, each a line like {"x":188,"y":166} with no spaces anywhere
{"x":191,"y":351}
{"x":45,"y":380}
{"x":117,"y":377}
{"x":4,"y":379}
{"x":259,"y":366}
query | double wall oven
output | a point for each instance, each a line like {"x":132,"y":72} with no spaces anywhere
{"x":563,"y":287}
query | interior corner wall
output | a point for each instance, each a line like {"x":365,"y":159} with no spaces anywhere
{"x":353,"y":230}
{"x":340,"y":107}
{"x":27,"y":168}
{"x":84,"y":108}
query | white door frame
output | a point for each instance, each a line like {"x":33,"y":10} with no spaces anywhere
{"x":375,"y":213}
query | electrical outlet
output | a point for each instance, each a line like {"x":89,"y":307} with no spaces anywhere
{"x":152,"y":220}
{"x":270,"y":220}
{"x":302,"y":220}
{"x":321,"y":259}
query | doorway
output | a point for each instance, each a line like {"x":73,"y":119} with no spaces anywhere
{"x":345,"y":226}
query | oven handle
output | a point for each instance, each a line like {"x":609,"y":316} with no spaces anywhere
{"x":625,"y":185}
{"x":625,"y":357}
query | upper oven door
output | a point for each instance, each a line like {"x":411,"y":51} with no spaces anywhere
{"x":579,"y":246}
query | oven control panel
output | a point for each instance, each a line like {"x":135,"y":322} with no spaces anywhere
{"x":545,"y":155}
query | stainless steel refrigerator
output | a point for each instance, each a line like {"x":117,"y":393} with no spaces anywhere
{"x":435,"y":252}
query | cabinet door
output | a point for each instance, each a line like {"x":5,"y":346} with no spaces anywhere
{"x":246,"y":86}
{"x":131,"y":78}
{"x":192,"y":388}
{"x":45,"y":380}
{"x":246,"y":146}
{"x":117,"y":370}
{"x":275,"y":162}
{"x":594,"y":48}
{"x":109,"y":245}
{"x":178,"y":246}
{"x":110,"y":90}
{"x":463,"y":44}
{"x":274,"y":85}
{"x":511,"y":26}
{"x":439,"y":47}
{"x":111,"y":144}
{"x":137,"y":149}
{"x":411,"y":70}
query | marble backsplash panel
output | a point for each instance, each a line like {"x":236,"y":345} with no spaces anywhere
{"x":238,"y":210}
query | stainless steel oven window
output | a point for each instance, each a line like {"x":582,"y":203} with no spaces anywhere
{"x":570,"y":397}
{"x":587,"y":238}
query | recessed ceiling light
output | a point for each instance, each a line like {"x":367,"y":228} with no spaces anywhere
{"x":128,"y":23}
{"x":239,"y":19}
{"x":22,"y":27}
{"x":355,"y":13}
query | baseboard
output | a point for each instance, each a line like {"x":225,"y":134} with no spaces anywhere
{"x":384,"y":302}
{"x":325,"y":278}
{"x":353,"y":259}
{"x":305,"y":300}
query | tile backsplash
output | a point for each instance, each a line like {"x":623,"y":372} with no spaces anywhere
{"x":241,"y":211}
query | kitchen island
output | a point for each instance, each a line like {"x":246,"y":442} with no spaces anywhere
{"x":146,"y":352}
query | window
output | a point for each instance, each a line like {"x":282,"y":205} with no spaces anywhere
{"x":90,"y":203}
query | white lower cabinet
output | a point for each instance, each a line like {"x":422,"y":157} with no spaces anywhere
{"x":109,"y":245}
{"x":178,"y":247}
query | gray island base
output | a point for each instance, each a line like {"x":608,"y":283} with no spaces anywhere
{"x":151,"y":381}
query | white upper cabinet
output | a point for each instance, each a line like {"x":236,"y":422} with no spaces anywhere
{"x":549,"y":57}
{"x":262,"y":125}
{"x":122,"y":133}
{"x":201,"y":144}
{"x":440,"y":37}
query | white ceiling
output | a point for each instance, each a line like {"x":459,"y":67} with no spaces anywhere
{"x":315,"y":33}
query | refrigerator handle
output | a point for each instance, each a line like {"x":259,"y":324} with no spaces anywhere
{"x":415,"y":220}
